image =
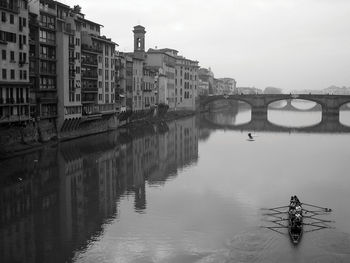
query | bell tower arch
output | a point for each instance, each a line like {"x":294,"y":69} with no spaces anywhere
{"x":139,"y":38}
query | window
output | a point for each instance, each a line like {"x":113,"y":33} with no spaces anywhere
{"x":77,"y":70}
{"x":4,"y":73}
{"x":24,"y":74}
{"x":100,"y":84}
{"x":12,"y":19}
{"x":107,"y":98}
{"x":7,"y":36}
{"x":3,"y":16}
{"x":47,"y":37}
{"x":100,"y":72}
{"x":24,"y":22}
{"x":77,"y":55}
{"x":12,"y":74}
{"x":3,"y":54}
{"x":99,"y":96}
{"x":77,"y":41}
{"x":106,"y":74}
{"x":106,"y":87}
{"x":77,"y":97}
{"x":12,"y":56}
{"x":47,"y":83}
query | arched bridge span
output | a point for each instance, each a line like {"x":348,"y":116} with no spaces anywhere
{"x":259,"y":102}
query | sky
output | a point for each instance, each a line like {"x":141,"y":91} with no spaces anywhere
{"x":289,"y":44}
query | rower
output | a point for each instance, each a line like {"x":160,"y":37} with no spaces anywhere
{"x":296,"y":199}
{"x":250,"y":136}
{"x":298,"y":209}
{"x":298,"y":217}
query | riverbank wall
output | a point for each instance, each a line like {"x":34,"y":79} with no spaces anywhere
{"x":20,"y":139}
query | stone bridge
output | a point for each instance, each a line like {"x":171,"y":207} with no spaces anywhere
{"x":259,"y":123}
{"x":259,"y":102}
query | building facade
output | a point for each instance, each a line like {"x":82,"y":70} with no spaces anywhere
{"x":14,"y":66}
{"x":56,"y":68}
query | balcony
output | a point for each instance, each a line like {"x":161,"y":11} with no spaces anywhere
{"x":47,"y":56}
{"x":48,"y":100}
{"x":89,"y":89}
{"x":93,"y":49}
{"x":8,"y":6}
{"x":50,"y":26}
{"x":90,"y":62}
{"x":47,"y":41}
{"x":89,"y":75}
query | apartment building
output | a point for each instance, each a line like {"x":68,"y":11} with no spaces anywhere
{"x":14,"y":66}
{"x":43,"y":60}
{"x":186,"y":82}
{"x":72,"y":66}
{"x":206,"y":75}
{"x":149,"y":87}
{"x":164,"y":62}
{"x":120,"y":81}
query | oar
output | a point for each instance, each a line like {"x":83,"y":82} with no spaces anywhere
{"x":314,"y":225}
{"x":324,"y":208}
{"x":275,"y":207}
{"x":319,"y":219}
{"x":273,"y":214}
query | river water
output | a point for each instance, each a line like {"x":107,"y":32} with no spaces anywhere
{"x":191,"y":190}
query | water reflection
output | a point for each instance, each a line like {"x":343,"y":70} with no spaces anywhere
{"x":237,"y":114}
{"x":54,"y":202}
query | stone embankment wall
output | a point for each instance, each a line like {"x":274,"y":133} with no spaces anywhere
{"x":19,"y":139}
{"x":91,"y":127}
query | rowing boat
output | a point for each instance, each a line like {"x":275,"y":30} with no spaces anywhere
{"x":295,"y":225}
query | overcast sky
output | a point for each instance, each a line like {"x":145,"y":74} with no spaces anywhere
{"x":290,"y":44}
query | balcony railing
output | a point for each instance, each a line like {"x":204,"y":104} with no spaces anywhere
{"x":90,"y":61}
{"x":89,"y":90}
{"x":91,"y":75}
{"x":48,"y":41}
{"x":48,"y":56}
{"x":51,"y":26}
{"x":48,"y":100}
{"x":91,"y":48}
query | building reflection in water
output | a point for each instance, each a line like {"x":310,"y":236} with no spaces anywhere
{"x":53,"y":202}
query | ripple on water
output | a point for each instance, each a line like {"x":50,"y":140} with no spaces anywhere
{"x":245,"y":247}
{"x":336,"y":243}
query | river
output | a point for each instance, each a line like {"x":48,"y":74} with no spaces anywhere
{"x":191,"y":190}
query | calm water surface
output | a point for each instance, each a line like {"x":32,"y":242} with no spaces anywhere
{"x":188,"y":191}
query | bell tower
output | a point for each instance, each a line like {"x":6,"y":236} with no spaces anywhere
{"x":139,"y":38}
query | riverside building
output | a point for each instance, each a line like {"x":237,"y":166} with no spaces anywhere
{"x":56,"y":69}
{"x":14,"y":66}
